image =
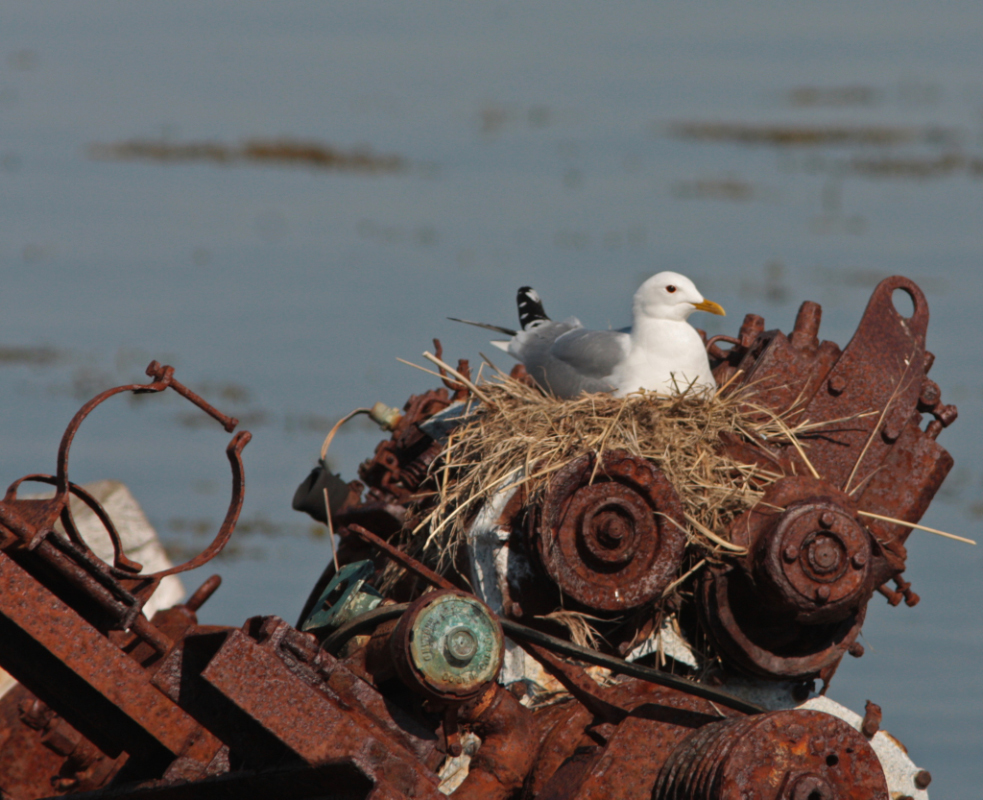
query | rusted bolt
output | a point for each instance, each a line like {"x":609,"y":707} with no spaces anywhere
{"x":947,"y":415}
{"x":837,"y":384}
{"x":931,"y":393}
{"x":923,"y":778}
{"x":872,"y":720}
{"x":460,"y":646}
{"x":825,"y":554}
{"x":752,"y":327}
{"x":822,"y":594}
{"x":856,"y":650}
{"x":811,"y":787}
{"x":859,"y":559}
{"x":891,"y":432}
{"x":827,"y":519}
{"x":791,"y":553}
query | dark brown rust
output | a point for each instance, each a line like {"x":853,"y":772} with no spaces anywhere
{"x":787,"y":755}
{"x":815,"y":562}
{"x":507,"y":730}
{"x":607,"y":535}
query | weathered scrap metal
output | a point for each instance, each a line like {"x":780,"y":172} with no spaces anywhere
{"x":796,"y":604}
{"x":378,"y":692}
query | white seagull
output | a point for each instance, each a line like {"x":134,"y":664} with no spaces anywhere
{"x":661,"y":352}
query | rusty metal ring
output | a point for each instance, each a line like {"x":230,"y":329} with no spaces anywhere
{"x":763,"y":644}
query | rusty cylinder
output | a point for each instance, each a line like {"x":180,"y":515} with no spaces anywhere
{"x":786,"y":755}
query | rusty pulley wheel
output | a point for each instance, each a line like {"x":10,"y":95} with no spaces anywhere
{"x":756,"y":639}
{"x":607,"y":542}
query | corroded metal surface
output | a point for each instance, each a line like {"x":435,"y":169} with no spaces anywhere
{"x":786,"y":755}
{"x":604,"y":538}
{"x":376,"y":698}
{"x":448,"y":646}
{"x":796,"y":605}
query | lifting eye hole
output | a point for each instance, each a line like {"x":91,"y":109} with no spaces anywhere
{"x":671,"y":289}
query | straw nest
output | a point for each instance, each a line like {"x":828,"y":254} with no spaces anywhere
{"x":517,"y":435}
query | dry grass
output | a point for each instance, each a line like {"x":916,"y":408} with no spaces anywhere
{"x":517,"y":436}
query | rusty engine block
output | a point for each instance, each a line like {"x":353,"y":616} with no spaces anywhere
{"x":381,"y":696}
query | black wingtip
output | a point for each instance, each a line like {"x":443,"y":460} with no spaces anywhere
{"x":530,"y":306}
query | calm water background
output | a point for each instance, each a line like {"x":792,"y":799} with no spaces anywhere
{"x":539,"y":148}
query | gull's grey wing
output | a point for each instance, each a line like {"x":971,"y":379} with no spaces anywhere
{"x":550,"y":353}
{"x":593,"y":354}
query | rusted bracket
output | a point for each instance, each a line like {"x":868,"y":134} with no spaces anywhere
{"x":44,"y":513}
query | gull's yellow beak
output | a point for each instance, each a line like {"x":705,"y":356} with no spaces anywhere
{"x":713,"y":308}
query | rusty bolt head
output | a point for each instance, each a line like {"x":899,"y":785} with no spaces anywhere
{"x":923,"y":778}
{"x":822,"y":594}
{"x":947,"y":415}
{"x":812,"y":787}
{"x":859,"y":559}
{"x":931,"y":393}
{"x":872,"y":720}
{"x":856,"y":650}
{"x":837,"y":384}
{"x":825,"y":555}
{"x":827,"y":519}
{"x":791,"y":553}
{"x":891,"y":432}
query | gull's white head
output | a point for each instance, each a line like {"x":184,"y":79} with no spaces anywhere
{"x":671,"y":296}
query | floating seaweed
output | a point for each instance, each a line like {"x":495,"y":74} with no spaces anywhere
{"x":807,"y":136}
{"x":288,"y":152}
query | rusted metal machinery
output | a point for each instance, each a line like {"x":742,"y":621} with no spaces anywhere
{"x":385,"y":695}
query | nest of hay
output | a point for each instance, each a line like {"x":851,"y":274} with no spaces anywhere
{"x":517,"y":435}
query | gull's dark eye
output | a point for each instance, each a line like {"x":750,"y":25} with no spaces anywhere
{"x":670,"y":288}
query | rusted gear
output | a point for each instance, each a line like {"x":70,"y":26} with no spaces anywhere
{"x":786,"y":755}
{"x":607,"y":542}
